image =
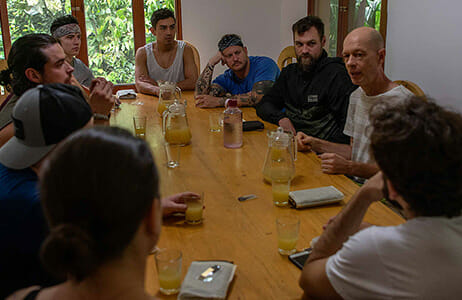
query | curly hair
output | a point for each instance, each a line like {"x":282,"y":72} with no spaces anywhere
{"x":161,"y":14}
{"x":418,"y":146}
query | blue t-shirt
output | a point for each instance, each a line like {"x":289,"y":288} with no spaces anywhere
{"x":22,"y":230}
{"x":261,"y":68}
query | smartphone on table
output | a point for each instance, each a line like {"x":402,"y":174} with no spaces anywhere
{"x":300,"y":258}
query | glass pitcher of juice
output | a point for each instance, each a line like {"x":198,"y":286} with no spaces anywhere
{"x":279,"y":162}
{"x":168,"y":91}
{"x":175,"y":124}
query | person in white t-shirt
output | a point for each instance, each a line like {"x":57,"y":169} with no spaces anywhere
{"x":418,"y":147}
{"x":364,"y":55}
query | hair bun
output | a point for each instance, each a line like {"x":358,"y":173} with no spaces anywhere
{"x":68,"y":250}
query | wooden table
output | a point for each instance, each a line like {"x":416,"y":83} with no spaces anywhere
{"x":243,"y":232}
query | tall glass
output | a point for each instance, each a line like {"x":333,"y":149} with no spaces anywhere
{"x":288,"y":228}
{"x":168,"y":263}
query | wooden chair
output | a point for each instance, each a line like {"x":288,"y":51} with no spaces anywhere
{"x":197,"y":58}
{"x":3,"y":92}
{"x":286,"y":57}
{"x":414,"y":88}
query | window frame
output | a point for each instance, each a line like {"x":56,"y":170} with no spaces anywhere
{"x":78,"y":11}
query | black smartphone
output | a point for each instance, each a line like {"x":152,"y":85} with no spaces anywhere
{"x":300,"y":258}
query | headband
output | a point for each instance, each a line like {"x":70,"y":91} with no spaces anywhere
{"x":228,"y":41}
{"x":65,"y":30}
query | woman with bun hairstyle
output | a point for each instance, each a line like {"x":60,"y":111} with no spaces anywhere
{"x":100,"y":195}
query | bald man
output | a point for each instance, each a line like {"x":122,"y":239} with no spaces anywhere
{"x":364,"y":56}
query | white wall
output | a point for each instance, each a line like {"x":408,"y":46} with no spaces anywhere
{"x":424,"y":45}
{"x":264,"y":25}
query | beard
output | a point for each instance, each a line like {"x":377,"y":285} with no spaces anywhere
{"x":306,"y":62}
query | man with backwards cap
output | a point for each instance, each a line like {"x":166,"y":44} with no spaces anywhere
{"x":42,"y":117}
{"x":67,"y":31}
{"x":247,"y":79}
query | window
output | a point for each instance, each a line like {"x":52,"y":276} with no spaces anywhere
{"x":111,"y":34}
{"x":2,"y":50}
{"x":34,"y":16}
{"x":346,"y":15}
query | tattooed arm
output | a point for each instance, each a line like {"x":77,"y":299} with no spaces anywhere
{"x":203,"y":82}
{"x":217,"y":95}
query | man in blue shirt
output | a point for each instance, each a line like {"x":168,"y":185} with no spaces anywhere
{"x":247,"y":79}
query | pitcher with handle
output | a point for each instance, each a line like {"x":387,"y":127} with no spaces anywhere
{"x":168,"y":91}
{"x":175,"y":124}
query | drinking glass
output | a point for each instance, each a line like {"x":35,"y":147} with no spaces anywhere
{"x":194,"y":211}
{"x":139,"y":123}
{"x":168,"y":263}
{"x":288,"y":228}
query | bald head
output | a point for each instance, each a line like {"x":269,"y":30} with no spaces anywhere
{"x":366,"y":36}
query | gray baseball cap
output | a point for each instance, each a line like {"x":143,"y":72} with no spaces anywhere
{"x":42,"y":117}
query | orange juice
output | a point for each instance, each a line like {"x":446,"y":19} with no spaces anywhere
{"x":180,"y":136}
{"x":169,"y":281}
{"x":140,"y":132}
{"x":162,"y":106}
{"x":287,"y":244}
{"x":194,"y":212}
{"x":280,"y":195}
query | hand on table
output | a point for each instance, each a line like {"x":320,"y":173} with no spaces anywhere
{"x":287,"y":125}
{"x":177,"y":202}
{"x":100,"y":98}
{"x":332,"y":163}
{"x":204,"y":101}
{"x":304,"y":142}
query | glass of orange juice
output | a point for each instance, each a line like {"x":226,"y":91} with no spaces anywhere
{"x":288,"y":228}
{"x":139,"y":123}
{"x":194,"y":211}
{"x":281,"y":190}
{"x":168,"y":264}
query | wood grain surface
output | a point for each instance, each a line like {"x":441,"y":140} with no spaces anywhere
{"x":242,"y":232}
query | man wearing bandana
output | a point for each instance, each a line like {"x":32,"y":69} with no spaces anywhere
{"x":311,"y":95}
{"x":247,"y":79}
{"x":67,"y":31}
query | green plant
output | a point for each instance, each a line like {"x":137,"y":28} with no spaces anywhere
{"x":109,"y":25}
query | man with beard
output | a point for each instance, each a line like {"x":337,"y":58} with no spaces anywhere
{"x":247,"y":79}
{"x":311,"y":95}
{"x":364,"y":56}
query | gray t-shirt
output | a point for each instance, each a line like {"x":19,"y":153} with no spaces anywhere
{"x":358,"y":121}
{"x":7,"y":110}
{"x":82,"y":73}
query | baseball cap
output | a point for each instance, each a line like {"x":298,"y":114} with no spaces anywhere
{"x":42,"y":117}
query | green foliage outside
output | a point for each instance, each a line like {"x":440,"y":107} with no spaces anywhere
{"x":2,"y":51}
{"x":368,"y":9}
{"x":109,"y":25}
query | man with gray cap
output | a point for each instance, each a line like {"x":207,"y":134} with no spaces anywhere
{"x":247,"y":79}
{"x":43,"y":117}
{"x":67,"y":31}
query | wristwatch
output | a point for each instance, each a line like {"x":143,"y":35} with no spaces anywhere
{"x":97,"y":116}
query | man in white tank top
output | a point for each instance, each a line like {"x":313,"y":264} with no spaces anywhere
{"x":166,"y":59}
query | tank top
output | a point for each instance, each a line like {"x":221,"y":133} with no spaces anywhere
{"x":174,"y":73}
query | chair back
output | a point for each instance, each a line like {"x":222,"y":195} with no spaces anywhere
{"x":197,"y":58}
{"x":286,"y":57}
{"x":414,"y":88}
{"x":3,"y":91}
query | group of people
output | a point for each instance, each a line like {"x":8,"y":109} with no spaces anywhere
{"x":61,"y":205}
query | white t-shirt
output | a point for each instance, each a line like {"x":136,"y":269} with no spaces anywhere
{"x":420,"y":259}
{"x":357,"y":120}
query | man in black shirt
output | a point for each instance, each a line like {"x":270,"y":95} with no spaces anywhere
{"x":311,"y":95}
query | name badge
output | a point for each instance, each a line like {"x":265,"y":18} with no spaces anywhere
{"x":312,"y":99}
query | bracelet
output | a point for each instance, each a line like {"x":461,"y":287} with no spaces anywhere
{"x":97,"y":116}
